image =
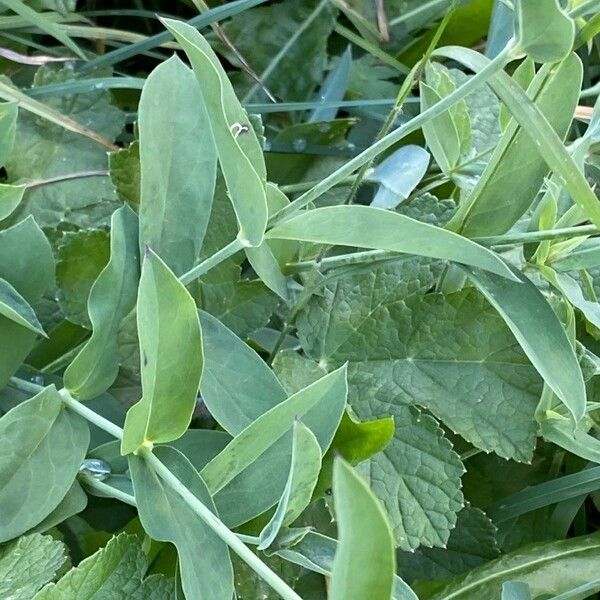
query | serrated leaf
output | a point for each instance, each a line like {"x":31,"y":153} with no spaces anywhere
{"x":240,"y":153}
{"x":471,"y":543}
{"x":27,"y":264}
{"x":111,"y":298}
{"x":537,"y":328}
{"x":302,"y":479}
{"x":548,"y":568}
{"x":542,"y":30}
{"x":171,"y":356}
{"x":45,"y":150}
{"x":364,"y":562}
{"x":15,"y":308}
{"x":125,"y":173}
{"x":42,"y":446}
{"x":166,"y":517}
{"x":81,"y":257}
{"x":115,"y":571}
{"x":177,"y":182}
{"x":368,"y":227}
{"x":27,"y":564}
{"x":249,"y":476}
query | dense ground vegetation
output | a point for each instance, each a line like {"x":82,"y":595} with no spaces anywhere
{"x":299,"y":299}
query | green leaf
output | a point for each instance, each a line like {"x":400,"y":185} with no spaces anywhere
{"x":299,"y":38}
{"x":27,"y":564}
{"x":171,"y":356}
{"x":364,"y":563}
{"x":240,"y":153}
{"x":368,"y":227}
{"x":27,"y":264}
{"x":515,"y":590}
{"x":543,"y":31}
{"x":42,"y":448}
{"x":15,"y":308}
{"x":529,"y":116}
{"x":177,"y":182}
{"x":74,"y":502}
{"x":10,"y":198}
{"x":42,"y":22}
{"x":267,"y":268}
{"x":302,"y":479}
{"x":517,"y":168}
{"x":548,"y":568}
{"x":8,"y":130}
{"x":115,"y":571}
{"x":237,"y":385}
{"x":471,"y":543}
{"x":111,"y":298}
{"x":45,"y":150}
{"x":125,"y":173}
{"x":523,"y":75}
{"x":166,"y":517}
{"x":537,"y":328}
{"x":585,"y":256}
{"x":248,"y":477}
{"x":81,"y":257}
{"x":440,"y":133}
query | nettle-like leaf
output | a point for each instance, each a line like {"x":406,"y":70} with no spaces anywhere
{"x":41,"y":449}
{"x":117,"y":570}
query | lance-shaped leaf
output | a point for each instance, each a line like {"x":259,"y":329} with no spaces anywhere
{"x":549,"y":568}
{"x":171,"y":356}
{"x":206,"y":571}
{"x":304,"y":471}
{"x":177,"y":178}
{"x":111,"y":299}
{"x":27,"y":264}
{"x":42,"y":446}
{"x":517,"y":168}
{"x":267,"y":268}
{"x":14,"y":307}
{"x":249,"y":475}
{"x":540,"y":333}
{"x":240,"y":153}
{"x":364,"y":562}
{"x":368,"y":227}
{"x":8,"y":128}
{"x":542,"y":30}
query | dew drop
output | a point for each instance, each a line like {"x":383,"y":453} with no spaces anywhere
{"x":96,"y":468}
{"x":38,"y":380}
{"x":324,"y":127}
{"x":299,"y":144}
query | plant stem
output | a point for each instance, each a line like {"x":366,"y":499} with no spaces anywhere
{"x":395,"y":136}
{"x":302,"y":186}
{"x":211,"y":261}
{"x":230,"y":538}
{"x":68,"y":177}
{"x":527,"y":237}
{"x":105,"y":489}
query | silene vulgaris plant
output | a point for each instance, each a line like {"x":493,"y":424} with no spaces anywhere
{"x":216,"y":385}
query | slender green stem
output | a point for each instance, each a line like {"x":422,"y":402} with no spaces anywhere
{"x":395,"y":136}
{"x":211,"y":261}
{"x":220,"y":529}
{"x":91,"y":416}
{"x":527,"y":237}
{"x":415,"y":12}
{"x":302,"y":186}
{"x":68,"y":177}
{"x":105,"y":489}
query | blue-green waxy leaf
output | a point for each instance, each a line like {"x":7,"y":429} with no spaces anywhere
{"x":540,"y":333}
{"x":542,"y":30}
{"x":111,"y":299}
{"x":8,"y":128}
{"x":177,"y":178}
{"x":516,"y":169}
{"x":240,"y":153}
{"x":585,"y":256}
{"x":42,"y":446}
{"x":364,"y":562}
{"x":10,"y":198}
{"x":248,"y":477}
{"x":265,"y":264}
{"x":237,"y":385}
{"x":304,"y":472}
{"x":27,"y":264}
{"x":206,"y":571}
{"x":171,"y":358}
{"x":368,"y":227}
{"x":515,"y":590}
{"x":14,"y":307}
